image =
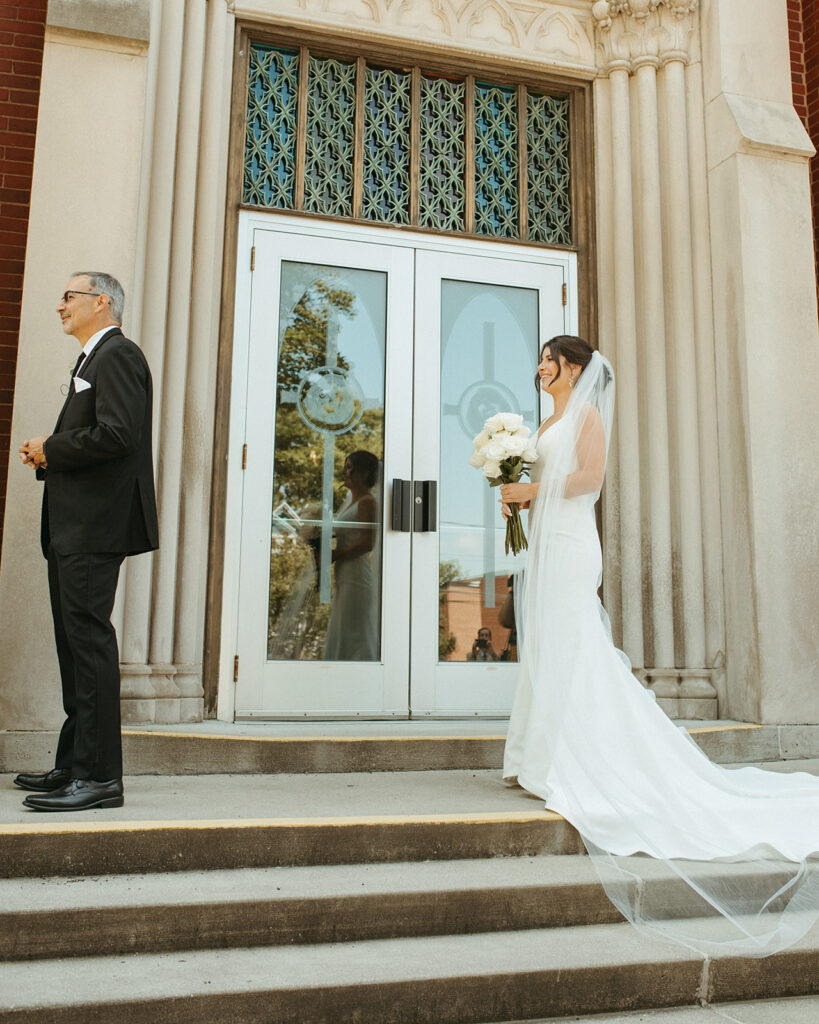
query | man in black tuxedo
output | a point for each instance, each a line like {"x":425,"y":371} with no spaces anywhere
{"x":98,"y":507}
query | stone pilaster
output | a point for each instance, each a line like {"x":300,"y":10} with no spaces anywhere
{"x":645,"y":50}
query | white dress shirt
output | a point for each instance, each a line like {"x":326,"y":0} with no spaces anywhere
{"x":91,"y":344}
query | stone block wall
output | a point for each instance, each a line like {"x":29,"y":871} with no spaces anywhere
{"x":22,"y":30}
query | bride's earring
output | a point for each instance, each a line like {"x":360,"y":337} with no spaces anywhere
{"x":571,"y":379}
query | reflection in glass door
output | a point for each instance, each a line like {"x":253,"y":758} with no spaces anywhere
{"x":479,"y":325}
{"x":328,"y":451}
{"x":489,"y":344}
{"x":327,"y":408}
{"x":371,"y":576}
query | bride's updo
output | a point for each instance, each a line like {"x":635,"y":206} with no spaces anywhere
{"x":574,"y":350}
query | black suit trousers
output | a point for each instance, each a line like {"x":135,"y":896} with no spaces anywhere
{"x":82,"y":588}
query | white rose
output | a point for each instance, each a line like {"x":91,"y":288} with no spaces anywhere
{"x":491,"y":470}
{"x":481,"y":439}
{"x":495,"y":451}
{"x":510,"y":420}
{"x":477,"y":458}
{"x":493,"y":423}
{"x":530,"y":455}
{"x":512,"y":444}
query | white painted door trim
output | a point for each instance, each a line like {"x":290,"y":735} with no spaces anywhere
{"x":249,"y":223}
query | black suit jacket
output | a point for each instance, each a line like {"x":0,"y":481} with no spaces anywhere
{"x":99,"y":480}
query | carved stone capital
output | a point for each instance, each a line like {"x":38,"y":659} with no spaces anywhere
{"x":636,"y":30}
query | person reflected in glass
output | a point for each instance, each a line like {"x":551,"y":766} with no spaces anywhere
{"x":352,"y":633}
{"x":482,"y":649}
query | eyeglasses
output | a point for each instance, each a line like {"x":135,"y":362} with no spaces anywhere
{"x":67,"y":295}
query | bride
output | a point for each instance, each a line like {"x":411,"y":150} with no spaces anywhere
{"x":590,"y":741}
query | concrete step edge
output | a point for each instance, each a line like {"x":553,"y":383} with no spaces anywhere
{"x":514,"y":977}
{"x":47,"y":918}
{"x":158,"y":750}
{"x":106,"y":847}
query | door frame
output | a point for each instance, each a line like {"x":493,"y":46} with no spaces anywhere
{"x":250,"y":221}
{"x":460,"y":689}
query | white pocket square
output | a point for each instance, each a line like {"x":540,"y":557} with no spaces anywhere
{"x":80,"y":384}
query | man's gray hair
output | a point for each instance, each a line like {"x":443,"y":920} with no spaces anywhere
{"x":106,"y":285}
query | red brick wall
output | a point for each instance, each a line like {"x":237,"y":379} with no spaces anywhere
{"x":22,"y":29}
{"x":803,"y":27}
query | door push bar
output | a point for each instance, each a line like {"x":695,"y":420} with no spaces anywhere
{"x":414,"y":506}
{"x":401,"y":506}
{"x":425,"y":506}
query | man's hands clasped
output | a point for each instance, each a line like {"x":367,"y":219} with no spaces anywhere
{"x":31,"y":452}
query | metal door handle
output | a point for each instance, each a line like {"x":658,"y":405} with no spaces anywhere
{"x":401,"y":505}
{"x":425,"y":506}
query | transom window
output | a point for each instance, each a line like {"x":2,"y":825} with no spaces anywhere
{"x":349,"y":138}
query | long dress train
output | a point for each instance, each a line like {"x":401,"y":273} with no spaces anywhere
{"x":587,"y":738}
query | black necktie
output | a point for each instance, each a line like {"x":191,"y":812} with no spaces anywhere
{"x":77,"y":365}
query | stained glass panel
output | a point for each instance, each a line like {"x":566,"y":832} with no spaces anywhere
{"x":387,"y":144}
{"x":496,"y":161}
{"x":392,"y":122}
{"x":270,"y":136}
{"x":549,"y":169}
{"x":442,"y":195}
{"x":330,"y":143}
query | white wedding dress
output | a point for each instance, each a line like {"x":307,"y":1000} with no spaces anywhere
{"x":352,"y":633}
{"x":587,"y":738}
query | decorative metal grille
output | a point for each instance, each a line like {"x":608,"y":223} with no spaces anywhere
{"x":496,"y":161}
{"x":330,"y":141}
{"x":387,"y":109}
{"x":549,"y":171}
{"x":343,"y":139}
{"x":270,"y":138}
{"x":441,"y":191}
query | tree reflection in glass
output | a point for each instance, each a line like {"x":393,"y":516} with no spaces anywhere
{"x":329,"y":404}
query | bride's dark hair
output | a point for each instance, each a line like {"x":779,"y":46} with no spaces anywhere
{"x":366,"y":465}
{"x":573,"y":349}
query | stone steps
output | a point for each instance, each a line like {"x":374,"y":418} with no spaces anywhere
{"x":46,"y":918}
{"x":151,"y":913}
{"x":321,"y":747}
{"x":509,"y":976}
{"x":128,"y":847}
{"x":407,"y":896}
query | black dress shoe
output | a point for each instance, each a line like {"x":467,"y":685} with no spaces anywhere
{"x":79,"y":795}
{"x":46,"y":782}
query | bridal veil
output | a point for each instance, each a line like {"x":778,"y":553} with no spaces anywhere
{"x":716,"y":859}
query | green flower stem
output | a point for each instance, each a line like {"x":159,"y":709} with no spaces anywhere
{"x":515,"y":537}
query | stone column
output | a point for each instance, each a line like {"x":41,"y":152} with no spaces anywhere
{"x":686,"y":405}
{"x":183,"y":208}
{"x":644,"y":50}
{"x":653,"y":376}
{"x":624,"y":317}
{"x":197,"y":437}
{"x":767,"y":366}
{"x":706,"y":385}
{"x":141,"y":687}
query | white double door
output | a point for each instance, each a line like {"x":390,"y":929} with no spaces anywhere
{"x":371,"y":566}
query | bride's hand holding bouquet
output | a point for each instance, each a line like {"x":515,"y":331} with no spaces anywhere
{"x":503,"y":452}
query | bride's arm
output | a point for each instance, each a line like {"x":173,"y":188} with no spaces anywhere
{"x":591,"y":458}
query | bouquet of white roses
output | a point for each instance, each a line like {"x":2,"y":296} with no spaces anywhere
{"x":503,"y":452}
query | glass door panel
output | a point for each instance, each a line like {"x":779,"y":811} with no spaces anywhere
{"x":365,"y":555}
{"x":479,"y":322}
{"x":327,"y":415}
{"x":489,"y":344}
{"x":328,"y":450}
